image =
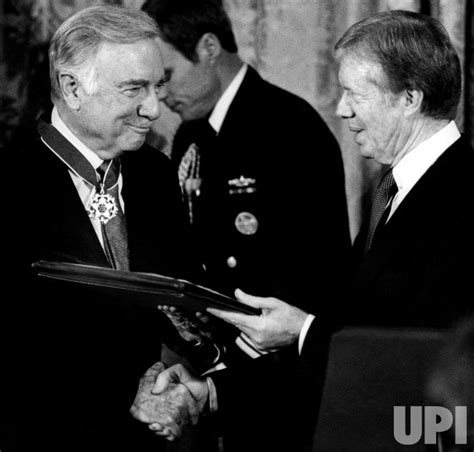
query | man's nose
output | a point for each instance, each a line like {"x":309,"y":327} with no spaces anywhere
{"x":150,"y":106}
{"x":343,"y":108}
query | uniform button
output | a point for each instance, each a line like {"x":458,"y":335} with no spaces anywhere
{"x":232,"y":262}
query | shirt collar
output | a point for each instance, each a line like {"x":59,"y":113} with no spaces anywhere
{"x":414,"y":164}
{"x":220,"y":110}
{"x":90,"y":155}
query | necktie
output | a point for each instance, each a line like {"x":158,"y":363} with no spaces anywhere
{"x":114,"y":231}
{"x":382,"y":197}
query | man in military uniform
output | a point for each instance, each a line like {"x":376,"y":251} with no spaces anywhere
{"x":263,"y":180}
{"x":260,"y":170}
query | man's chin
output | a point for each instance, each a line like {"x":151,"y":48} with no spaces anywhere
{"x":134,"y":143}
{"x":366,"y":153}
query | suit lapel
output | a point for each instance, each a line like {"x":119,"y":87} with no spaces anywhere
{"x":70,"y":230}
{"x":246,"y":95}
{"x":413,"y":217}
{"x":234,"y":156}
{"x":434,"y":192}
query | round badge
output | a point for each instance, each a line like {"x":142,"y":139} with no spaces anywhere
{"x":246,"y":223}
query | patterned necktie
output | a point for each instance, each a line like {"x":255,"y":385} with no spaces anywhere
{"x":382,"y":197}
{"x":114,"y":232}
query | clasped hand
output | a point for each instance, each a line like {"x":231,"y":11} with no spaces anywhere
{"x":169,"y":399}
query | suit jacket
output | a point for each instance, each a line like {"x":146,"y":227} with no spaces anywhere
{"x":88,"y":351}
{"x":418,"y":270}
{"x":278,"y":140}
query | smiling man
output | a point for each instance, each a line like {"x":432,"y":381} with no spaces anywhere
{"x":401,"y":83}
{"x":95,"y":194}
{"x":414,"y":255}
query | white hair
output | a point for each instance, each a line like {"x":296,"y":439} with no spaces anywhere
{"x":77,"y":40}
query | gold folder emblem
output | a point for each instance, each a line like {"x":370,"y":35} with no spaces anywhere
{"x":246,"y":223}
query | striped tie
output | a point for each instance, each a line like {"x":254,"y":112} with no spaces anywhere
{"x":114,"y":232}
{"x":382,"y":197}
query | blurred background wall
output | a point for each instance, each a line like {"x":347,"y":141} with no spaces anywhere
{"x":289,"y":42}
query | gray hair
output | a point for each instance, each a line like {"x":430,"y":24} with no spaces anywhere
{"x":77,"y":40}
{"x":414,"y":52}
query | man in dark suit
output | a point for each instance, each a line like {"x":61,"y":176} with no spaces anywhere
{"x":81,"y":353}
{"x":414,"y":256}
{"x":412,"y":267}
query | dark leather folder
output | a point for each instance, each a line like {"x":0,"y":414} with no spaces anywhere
{"x":146,"y":289}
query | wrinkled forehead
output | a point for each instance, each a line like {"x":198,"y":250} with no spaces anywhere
{"x":132,"y":57}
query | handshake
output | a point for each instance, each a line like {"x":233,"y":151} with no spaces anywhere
{"x":169,"y":399}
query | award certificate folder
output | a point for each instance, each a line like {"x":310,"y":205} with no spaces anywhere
{"x":145,"y":289}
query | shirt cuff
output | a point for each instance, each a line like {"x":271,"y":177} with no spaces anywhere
{"x":212,"y":395}
{"x":304,"y":331}
{"x":218,"y":366}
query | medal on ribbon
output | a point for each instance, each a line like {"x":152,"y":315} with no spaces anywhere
{"x":102,"y":207}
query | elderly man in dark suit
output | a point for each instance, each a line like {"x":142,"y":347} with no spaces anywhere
{"x":414,"y":256}
{"x":93,"y":193}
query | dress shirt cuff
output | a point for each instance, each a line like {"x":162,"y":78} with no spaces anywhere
{"x":212,"y":395}
{"x":304,"y":331}
{"x":218,"y":366}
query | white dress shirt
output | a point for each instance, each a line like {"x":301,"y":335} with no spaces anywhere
{"x":407,"y":173}
{"x":413,"y":165}
{"x":219,"y":111}
{"x":84,"y":188}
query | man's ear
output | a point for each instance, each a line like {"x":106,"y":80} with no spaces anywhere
{"x":69,"y":85}
{"x":208,"y":48}
{"x":413,"y":99}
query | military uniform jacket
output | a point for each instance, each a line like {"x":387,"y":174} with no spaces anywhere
{"x":271,"y":215}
